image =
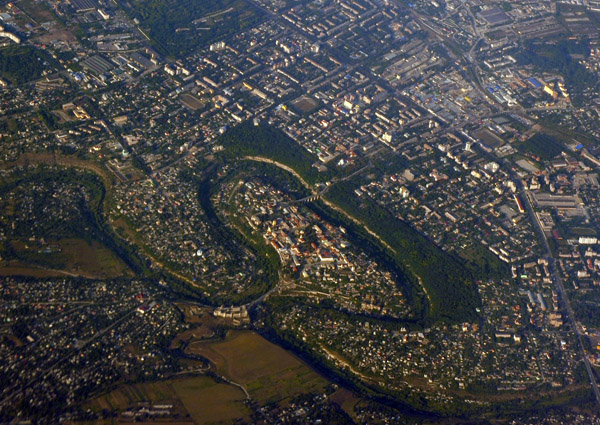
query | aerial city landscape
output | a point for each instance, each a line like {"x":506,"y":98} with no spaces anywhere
{"x":300,"y":212}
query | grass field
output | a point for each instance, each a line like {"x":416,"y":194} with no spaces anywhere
{"x":204,"y":321}
{"x":482,"y":262}
{"x":94,"y":259}
{"x":37,"y":11}
{"x":542,"y":145}
{"x":24,"y":270}
{"x":346,"y":400}
{"x":268,"y":372}
{"x":73,"y":256}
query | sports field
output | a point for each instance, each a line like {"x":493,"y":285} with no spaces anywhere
{"x":191,"y":101}
{"x":305,"y":104}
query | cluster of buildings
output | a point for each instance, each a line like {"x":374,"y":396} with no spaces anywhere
{"x":26,"y":205}
{"x":323,"y":262}
{"x":68,"y":337}
{"x":169,"y":222}
{"x":440,"y":362}
{"x":460,"y":199}
{"x":432,"y":99}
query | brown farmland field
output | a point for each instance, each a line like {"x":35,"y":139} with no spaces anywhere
{"x":268,"y":372}
{"x":205,"y":400}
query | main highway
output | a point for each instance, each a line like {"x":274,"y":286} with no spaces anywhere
{"x":525,"y":197}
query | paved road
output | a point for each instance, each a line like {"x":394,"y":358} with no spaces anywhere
{"x":524,"y":193}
